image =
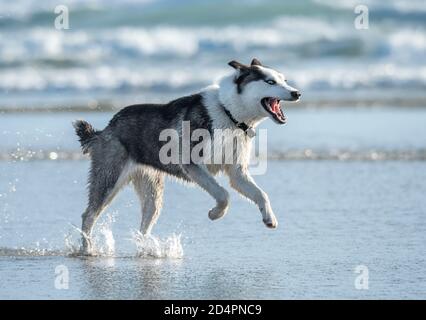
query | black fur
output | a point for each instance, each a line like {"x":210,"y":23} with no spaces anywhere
{"x":138,"y":126}
{"x":85,"y":132}
{"x":252,"y":73}
{"x":247,"y":73}
{"x":256,"y":62}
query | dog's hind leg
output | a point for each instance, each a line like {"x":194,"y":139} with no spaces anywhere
{"x":108,"y":174}
{"x":200,"y":175}
{"x":149,"y":186}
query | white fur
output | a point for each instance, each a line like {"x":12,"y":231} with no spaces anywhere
{"x":246,"y":107}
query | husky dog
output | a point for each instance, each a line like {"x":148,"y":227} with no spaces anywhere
{"x":128,"y":149}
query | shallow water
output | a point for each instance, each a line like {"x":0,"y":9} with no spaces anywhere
{"x":333,"y":217}
{"x":326,"y":129}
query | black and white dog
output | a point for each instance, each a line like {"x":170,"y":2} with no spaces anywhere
{"x":137,"y":144}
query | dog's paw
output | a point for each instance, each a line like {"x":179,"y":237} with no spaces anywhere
{"x":85,"y":253}
{"x":271,"y":223}
{"x":217,"y":213}
{"x":86,"y":248}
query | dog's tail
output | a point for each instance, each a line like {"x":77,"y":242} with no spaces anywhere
{"x":86,"y":133}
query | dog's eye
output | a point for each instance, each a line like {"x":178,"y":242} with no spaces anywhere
{"x":271,"y":82}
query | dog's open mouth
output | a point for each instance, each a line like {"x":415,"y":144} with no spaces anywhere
{"x":272,"y":105}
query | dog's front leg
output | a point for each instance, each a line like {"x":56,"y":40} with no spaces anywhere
{"x":241,"y":181}
{"x":200,"y":175}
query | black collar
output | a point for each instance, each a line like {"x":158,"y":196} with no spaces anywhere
{"x":249,"y":131}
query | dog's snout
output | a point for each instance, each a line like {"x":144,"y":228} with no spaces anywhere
{"x":295,"y":94}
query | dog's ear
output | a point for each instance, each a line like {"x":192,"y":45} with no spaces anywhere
{"x":238,"y":66}
{"x":255,"y":62}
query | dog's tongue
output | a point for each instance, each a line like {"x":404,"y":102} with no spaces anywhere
{"x":275,"y":105}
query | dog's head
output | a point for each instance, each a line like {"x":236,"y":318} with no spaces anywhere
{"x":260,"y":89}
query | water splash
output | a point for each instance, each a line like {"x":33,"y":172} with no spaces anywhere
{"x":103,"y":239}
{"x":103,"y":242}
{"x":73,"y":245}
{"x":154,"y":247}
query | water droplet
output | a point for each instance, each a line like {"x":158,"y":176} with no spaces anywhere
{"x":53,"y":155}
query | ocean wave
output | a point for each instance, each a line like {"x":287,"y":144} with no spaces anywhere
{"x":120,"y":79}
{"x":131,"y":42}
{"x":25,"y":9}
{"x":408,"y":44}
{"x":317,"y":50}
{"x":301,"y":37}
{"x":401,"y":6}
{"x":103,"y":78}
{"x":137,"y":12}
{"x":165,"y":57}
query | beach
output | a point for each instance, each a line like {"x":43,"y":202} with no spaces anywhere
{"x":346,"y":175}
